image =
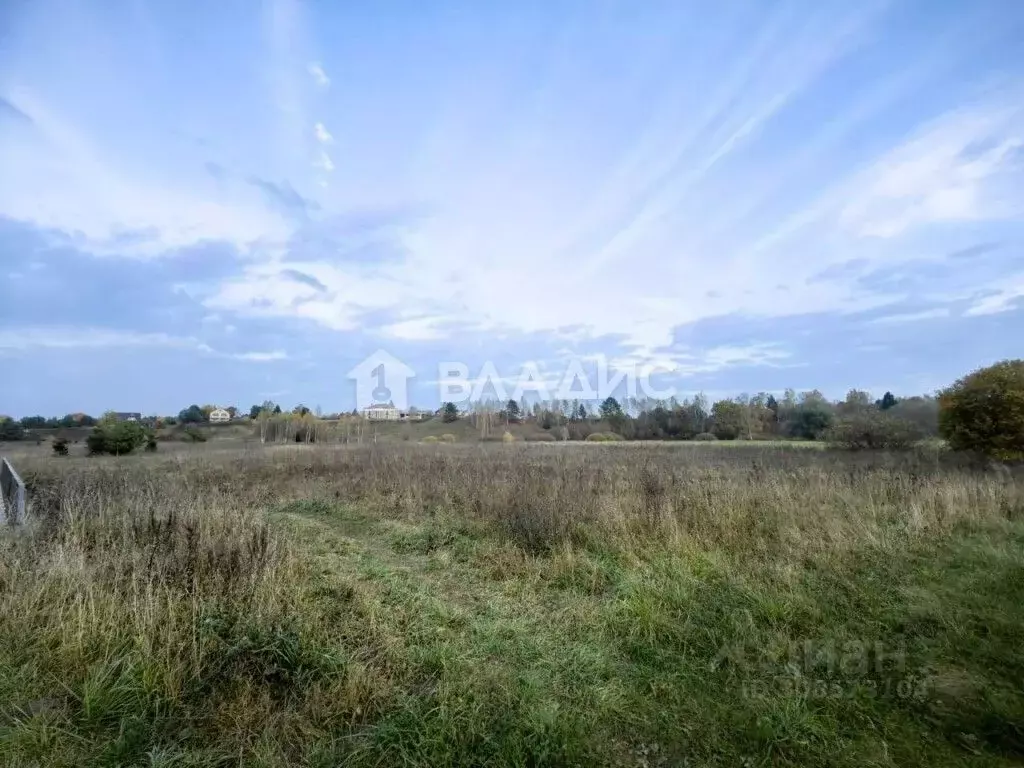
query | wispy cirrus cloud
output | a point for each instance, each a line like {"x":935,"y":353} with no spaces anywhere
{"x":62,"y":337}
{"x":847,"y":166}
{"x":316,"y":71}
{"x":322,"y":134}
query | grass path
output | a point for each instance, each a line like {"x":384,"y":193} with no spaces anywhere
{"x":582,"y":658}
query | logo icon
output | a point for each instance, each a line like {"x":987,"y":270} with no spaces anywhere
{"x":382,"y":380}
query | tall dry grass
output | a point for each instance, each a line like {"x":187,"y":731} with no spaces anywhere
{"x":153,"y":612}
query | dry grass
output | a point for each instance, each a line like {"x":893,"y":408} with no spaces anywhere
{"x":520,"y":604}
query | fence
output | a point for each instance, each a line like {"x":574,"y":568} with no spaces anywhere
{"x":12,"y":494}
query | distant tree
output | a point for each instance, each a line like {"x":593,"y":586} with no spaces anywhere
{"x":300,"y":410}
{"x":512,"y":412}
{"x":984,"y":412}
{"x":810,"y":420}
{"x":872,"y":429}
{"x":207,"y":410}
{"x":277,"y":410}
{"x":33,"y":422}
{"x":10,"y":429}
{"x":192,"y":415}
{"x":117,"y":438}
{"x":449,"y":412}
{"x":856,"y":401}
{"x":610,"y":409}
{"x":581,"y":412}
{"x":232,"y":410}
{"x":728,"y":419}
{"x":922,"y":411}
{"x":888,"y":401}
{"x":254,"y":412}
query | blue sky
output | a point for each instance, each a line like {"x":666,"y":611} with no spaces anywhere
{"x":225,"y":202}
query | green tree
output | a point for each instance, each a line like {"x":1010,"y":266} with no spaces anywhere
{"x":10,"y":429}
{"x":512,"y":412}
{"x":33,"y":422}
{"x":984,"y":411}
{"x":192,"y":415}
{"x":728,"y":419}
{"x":610,"y":409}
{"x":449,"y":412}
{"x":117,"y":438}
{"x":810,"y":420}
{"x":254,"y":412}
{"x":888,"y":401}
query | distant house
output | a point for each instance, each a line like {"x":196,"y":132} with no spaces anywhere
{"x":382,"y":412}
{"x":220,"y":416}
{"x":128,"y":416}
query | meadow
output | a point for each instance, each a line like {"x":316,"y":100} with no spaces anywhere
{"x":572,"y":604}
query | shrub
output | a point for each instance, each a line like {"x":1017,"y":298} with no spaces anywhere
{"x":810,"y":421}
{"x":151,"y":443}
{"x":873,"y":431}
{"x":448,"y":437}
{"x":118,"y":438}
{"x":603,"y":437}
{"x":705,"y":437}
{"x":508,"y":437}
{"x":60,"y":446}
{"x":541,"y":437}
{"x":429,"y":439}
{"x":984,"y":412}
{"x":449,"y":413}
{"x":11,"y":430}
{"x":193,"y":434}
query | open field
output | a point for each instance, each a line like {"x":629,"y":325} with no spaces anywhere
{"x":407,"y":604}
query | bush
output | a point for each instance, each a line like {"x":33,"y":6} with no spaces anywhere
{"x":11,"y":430}
{"x":448,"y":437}
{"x":603,"y":437}
{"x":541,"y":437}
{"x":873,"y":431}
{"x":151,"y":444}
{"x":60,"y":446}
{"x":508,"y":437}
{"x":429,"y":439}
{"x":810,"y":422}
{"x":193,"y":434}
{"x":984,"y":412}
{"x":705,"y":437}
{"x":119,"y":438}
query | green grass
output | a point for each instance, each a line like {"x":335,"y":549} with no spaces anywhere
{"x":327,"y":609}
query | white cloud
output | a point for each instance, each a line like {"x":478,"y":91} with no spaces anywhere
{"x":65,"y":337}
{"x":259,"y":357}
{"x":58,"y":178}
{"x":1002,"y":297}
{"x":956,"y":170}
{"x":324,"y":162}
{"x":320,"y":77}
{"x":322,"y":134}
{"x":913,"y":317}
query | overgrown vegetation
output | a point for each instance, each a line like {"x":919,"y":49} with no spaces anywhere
{"x":515,"y":605}
{"x":984,"y":412}
{"x":117,"y":437}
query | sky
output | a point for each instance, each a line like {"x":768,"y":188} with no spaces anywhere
{"x":237,"y":201}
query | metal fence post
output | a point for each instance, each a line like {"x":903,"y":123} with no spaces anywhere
{"x":12,"y":495}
